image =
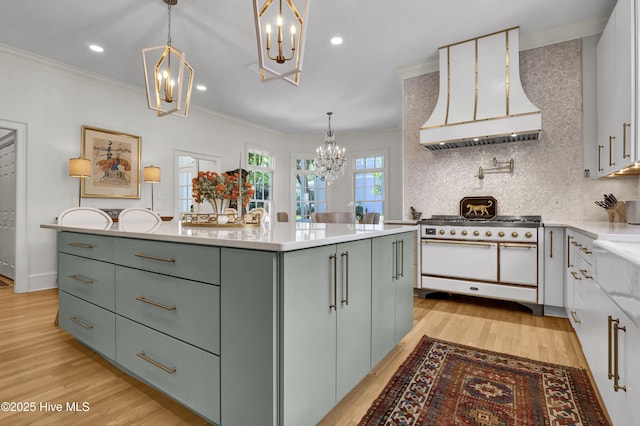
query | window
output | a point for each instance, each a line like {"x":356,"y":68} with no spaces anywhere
{"x":311,"y":191}
{"x":369,"y":185}
{"x":187,"y":167}
{"x":261,"y":165}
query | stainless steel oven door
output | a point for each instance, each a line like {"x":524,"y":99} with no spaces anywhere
{"x":519,"y":263}
{"x":474,"y":260}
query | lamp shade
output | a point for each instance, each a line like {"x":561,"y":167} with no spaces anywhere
{"x":79,"y":167}
{"x":152,"y":174}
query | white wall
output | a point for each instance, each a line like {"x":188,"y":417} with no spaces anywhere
{"x":53,"y":101}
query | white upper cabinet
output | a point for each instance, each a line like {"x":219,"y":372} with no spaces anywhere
{"x":616,"y":143}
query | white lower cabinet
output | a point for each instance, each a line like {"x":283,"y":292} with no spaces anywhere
{"x":613,"y":349}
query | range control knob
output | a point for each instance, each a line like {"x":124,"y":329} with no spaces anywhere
{"x":441,"y":232}
{"x":464,"y":232}
{"x":452,"y":232}
{"x":514,"y":234}
{"x":476,"y":233}
{"x":488,"y":233}
{"x":528,"y":235}
{"x":501,"y":234}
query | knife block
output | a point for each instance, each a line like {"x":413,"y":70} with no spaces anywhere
{"x":618,"y":213}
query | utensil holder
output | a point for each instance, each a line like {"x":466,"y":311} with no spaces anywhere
{"x":618,"y":213}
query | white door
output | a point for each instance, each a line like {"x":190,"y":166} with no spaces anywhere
{"x":8,"y":204}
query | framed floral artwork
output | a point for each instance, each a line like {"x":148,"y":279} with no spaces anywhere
{"x":115,"y":163}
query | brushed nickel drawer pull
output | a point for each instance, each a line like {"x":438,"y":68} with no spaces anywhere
{"x":80,"y":323}
{"x":333,"y":259}
{"x":156,"y":363}
{"x":162,"y":259}
{"x":159,"y":305}
{"x":345,"y":300}
{"x":79,"y":245}
{"x":576,"y":320}
{"x":79,"y":278}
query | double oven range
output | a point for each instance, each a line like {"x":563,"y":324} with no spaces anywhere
{"x":499,"y":258}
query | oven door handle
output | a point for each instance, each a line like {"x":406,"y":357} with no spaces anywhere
{"x":527,"y":246}
{"x":462,"y":243}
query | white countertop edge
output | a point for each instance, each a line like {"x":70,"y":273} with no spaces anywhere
{"x":629,"y":251}
{"x":168,"y":233}
{"x":609,"y":231}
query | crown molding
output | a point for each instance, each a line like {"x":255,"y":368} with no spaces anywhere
{"x":527,"y":41}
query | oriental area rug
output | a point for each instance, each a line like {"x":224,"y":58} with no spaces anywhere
{"x":443,"y":383}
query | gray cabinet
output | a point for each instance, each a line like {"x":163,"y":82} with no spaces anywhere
{"x":392,"y":292}
{"x":326,"y":327}
{"x":214,"y":327}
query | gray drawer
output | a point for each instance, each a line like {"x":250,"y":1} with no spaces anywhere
{"x":187,"y":310}
{"x":88,"y":279}
{"x":200,"y":263}
{"x":86,"y":245}
{"x":89,"y":323}
{"x":188,"y":374}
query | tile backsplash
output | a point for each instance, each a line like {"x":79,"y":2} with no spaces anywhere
{"x":548,"y":176}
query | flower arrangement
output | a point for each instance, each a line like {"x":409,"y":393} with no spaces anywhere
{"x":208,"y":186}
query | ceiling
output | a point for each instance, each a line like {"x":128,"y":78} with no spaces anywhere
{"x":359,"y":80}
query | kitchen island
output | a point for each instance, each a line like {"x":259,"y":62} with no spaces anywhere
{"x":266,"y":325}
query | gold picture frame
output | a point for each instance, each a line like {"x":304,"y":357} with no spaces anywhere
{"x":115,"y":163}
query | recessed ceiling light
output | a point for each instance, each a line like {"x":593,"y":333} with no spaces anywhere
{"x":201,"y":87}
{"x":336,"y":40}
{"x":96,"y":48}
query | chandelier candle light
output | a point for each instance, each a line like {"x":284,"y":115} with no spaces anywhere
{"x":268,"y":13}
{"x":330,"y":158}
{"x":166,"y":94}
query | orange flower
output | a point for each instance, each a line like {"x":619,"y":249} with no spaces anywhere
{"x":211,"y":185}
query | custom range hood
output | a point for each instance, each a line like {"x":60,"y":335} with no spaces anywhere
{"x":481,"y":101}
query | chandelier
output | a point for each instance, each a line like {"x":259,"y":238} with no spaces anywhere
{"x":330,"y":158}
{"x":286,"y":61}
{"x":168,"y":77}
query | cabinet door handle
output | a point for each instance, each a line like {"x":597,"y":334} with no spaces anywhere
{"x":394,"y":264}
{"x":334,"y":261}
{"x":575,"y":319}
{"x":346,"y":270}
{"x":156,"y":363}
{"x":569,"y":265}
{"x":159,"y":305}
{"x":80,"y":323}
{"x":550,"y":244}
{"x":575,"y":275}
{"x":401,"y":274}
{"x":599,"y":152}
{"x":611,"y":163}
{"x":610,"y":321}
{"x":585,"y":250}
{"x":162,"y":259}
{"x":616,"y":358}
{"x":624,"y":140}
{"x":81,"y":279}
{"x":79,"y":245}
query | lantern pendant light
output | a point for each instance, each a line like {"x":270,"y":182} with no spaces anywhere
{"x":168,"y":76}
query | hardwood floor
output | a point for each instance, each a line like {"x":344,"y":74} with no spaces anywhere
{"x":42,"y":363}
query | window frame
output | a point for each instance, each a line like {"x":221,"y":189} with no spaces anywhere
{"x":306,"y":156}
{"x":385,"y":169}
{"x":252,"y":149}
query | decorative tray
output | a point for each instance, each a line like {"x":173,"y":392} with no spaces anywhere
{"x":211,"y":220}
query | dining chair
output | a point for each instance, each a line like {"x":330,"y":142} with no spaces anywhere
{"x":371,"y":218}
{"x":282,"y":217}
{"x":335,"y":217}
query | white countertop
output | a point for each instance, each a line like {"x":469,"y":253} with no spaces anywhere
{"x":273,"y":237}
{"x":609,"y":231}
